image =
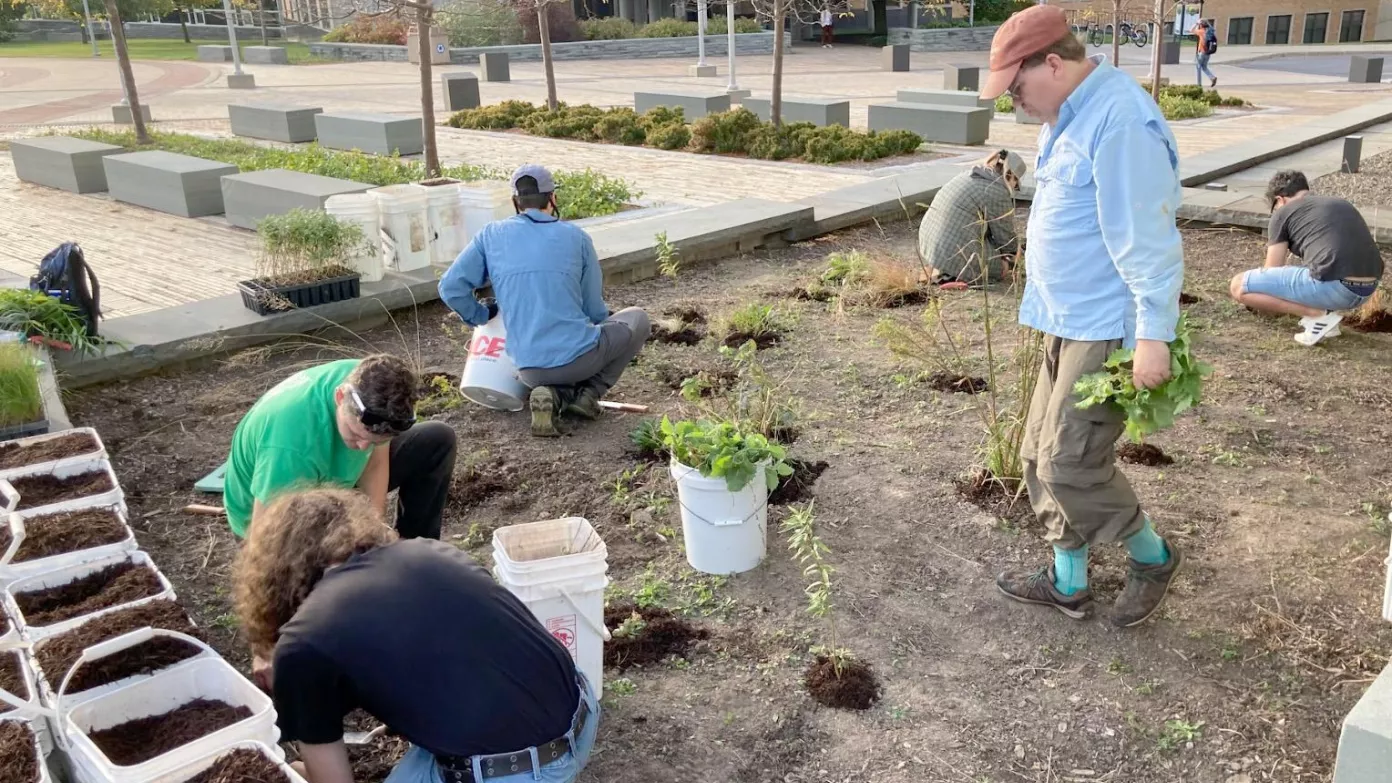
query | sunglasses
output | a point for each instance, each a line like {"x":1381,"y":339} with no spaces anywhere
{"x":375,"y":422}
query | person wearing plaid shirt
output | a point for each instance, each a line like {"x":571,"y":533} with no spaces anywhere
{"x":970,"y":226}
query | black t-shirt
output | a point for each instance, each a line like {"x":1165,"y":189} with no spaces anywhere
{"x":1329,"y":235}
{"x":421,"y":637}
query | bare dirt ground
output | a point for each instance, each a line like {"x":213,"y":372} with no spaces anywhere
{"x":1370,"y":187}
{"x":1279,"y":495}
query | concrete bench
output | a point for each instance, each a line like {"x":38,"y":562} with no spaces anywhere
{"x":249,"y":197}
{"x":380,"y":134}
{"x":266,"y":55}
{"x":214,"y":54}
{"x":946,"y":97}
{"x":166,"y":181}
{"x":461,"y":91}
{"x":958,"y":77}
{"x":1365,"y":743}
{"x":934,"y":122}
{"x":694,"y":105}
{"x":495,"y":67}
{"x":61,"y":162}
{"x":121,"y":113}
{"x":276,"y":122}
{"x":895,"y":57}
{"x":818,"y":111}
{"x":1365,"y":70}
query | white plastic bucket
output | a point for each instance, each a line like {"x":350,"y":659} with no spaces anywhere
{"x":27,"y":706}
{"x":405,"y":226}
{"x":557,"y":568}
{"x":48,"y":683}
{"x":74,"y":467}
{"x":725,"y":532}
{"x":44,"y":775}
{"x":490,"y":376}
{"x":99,"y":453}
{"x":205,"y":678}
{"x":10,"y":571}
{"x":446,"y":217}
{"x":72,"y":573}
{"x":195,"y":767}
{"x":361,"y":208}
{"x":482,"y":204}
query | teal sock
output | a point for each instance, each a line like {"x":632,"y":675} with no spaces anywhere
{"x":1146,"y":547}
{"x":1070,"y":569}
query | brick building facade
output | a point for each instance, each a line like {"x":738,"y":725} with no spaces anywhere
{"x":1263,"y":22}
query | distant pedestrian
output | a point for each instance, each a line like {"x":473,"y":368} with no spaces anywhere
{"x":828,"y":26}
{"x":1207,"y":45}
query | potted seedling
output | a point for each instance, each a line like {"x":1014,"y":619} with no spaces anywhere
{"x":724,"y":474}
{"x":21,"y":401}
{"x":305,"y":261}
{"x":47,"y":320}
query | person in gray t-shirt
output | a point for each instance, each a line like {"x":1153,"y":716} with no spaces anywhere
{"x":1342,"y":263}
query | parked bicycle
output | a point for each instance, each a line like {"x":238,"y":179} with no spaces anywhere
{"x":1130,"y":33}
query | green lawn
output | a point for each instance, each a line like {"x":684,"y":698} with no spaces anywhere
{"x":140,"y":49}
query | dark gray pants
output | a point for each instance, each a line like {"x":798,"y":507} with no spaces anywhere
{"x":621,"y":337}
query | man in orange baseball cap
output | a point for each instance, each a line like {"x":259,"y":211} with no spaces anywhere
{"x":1105,"y":269}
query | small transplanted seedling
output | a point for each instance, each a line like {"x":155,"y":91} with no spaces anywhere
{"x":1178,"y":732}
{"x":811,"y":553}
{"x":631,"y":628}
{"x":668,"y":257}
{"x":758,"y":322}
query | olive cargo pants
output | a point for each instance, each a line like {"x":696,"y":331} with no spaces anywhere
{"x":1069,"y":453}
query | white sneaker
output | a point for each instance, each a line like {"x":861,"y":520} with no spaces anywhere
{"x":1316,"y":329}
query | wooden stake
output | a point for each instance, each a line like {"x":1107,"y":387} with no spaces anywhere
{"x":625,"y":407}
{"x":205,"y":511}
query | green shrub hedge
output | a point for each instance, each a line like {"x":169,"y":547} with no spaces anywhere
{"x":1193,"y":92}
{"x":735,"y":132}
{"x":614,"y":28}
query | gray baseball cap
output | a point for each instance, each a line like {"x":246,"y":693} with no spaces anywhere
{"x":1015,"y":164}
{"x":545,"y":183}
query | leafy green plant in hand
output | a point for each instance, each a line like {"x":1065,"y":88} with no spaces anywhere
{"x":1147,"y":410}
{"x":723,"y":450}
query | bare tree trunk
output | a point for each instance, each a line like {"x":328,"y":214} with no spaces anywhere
{"x":261,"y":21}
{"x":425,"y":17}
{"x":118,"y":42}
{"x":1116,"y":33}
{"x":183,"y":24}
{"x":544,"y":33}
{"x":1156,"y":46}
{"x":776,"y":100}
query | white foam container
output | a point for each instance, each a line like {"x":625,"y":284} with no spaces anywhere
{"x":557,"y":568}
{"x":206,"y":678}
{"x":361,"y":208}
{"x":490,"y":376}
{"x":48,"y":690}
{"x":70,"y":573}
{"x":195,"y":767}
{"x":483,"y":203}
{"x":725,"y":532}
{"x":445,"y":214}
{"x":75,"y":467}
{"x":44,"y":775}
{"x":10,"y":571}
{"x":98,"y":454}
{"x":405,"y":226}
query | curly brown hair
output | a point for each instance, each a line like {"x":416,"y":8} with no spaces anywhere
{"x":292,"y":543}
{"x":387,"y":385}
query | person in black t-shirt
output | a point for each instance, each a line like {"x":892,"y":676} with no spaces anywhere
{"x":415,"y":633}
{"x":1342,"y":263}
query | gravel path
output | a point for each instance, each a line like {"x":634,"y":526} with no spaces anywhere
{"x":1370,"y":187}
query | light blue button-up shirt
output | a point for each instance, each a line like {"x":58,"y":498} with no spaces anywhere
{"x":1103,"y":259}
{"x":546,"y":277}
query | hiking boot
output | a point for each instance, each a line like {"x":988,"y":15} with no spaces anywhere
{"x":1037,"y":587}
{"x":584,"y":404}
{"x":546,"y":407}
{"x":1146,"y":586}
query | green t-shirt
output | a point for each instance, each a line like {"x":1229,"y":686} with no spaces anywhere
{"x":288,"y":440}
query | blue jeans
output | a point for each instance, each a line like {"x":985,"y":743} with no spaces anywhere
{"x":1295,"y":284}
{"x":1201,"y":66}
{"x":419,"y":766}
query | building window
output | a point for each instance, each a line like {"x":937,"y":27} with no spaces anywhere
{"x":1240,"y":30}
{"x":1316,"y":28}
{"x":1278,"y":29}
{"x":1351,"y":27}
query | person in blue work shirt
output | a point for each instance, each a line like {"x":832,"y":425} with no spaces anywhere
{"x":549,"y":290}
{"x":1105,"y":271}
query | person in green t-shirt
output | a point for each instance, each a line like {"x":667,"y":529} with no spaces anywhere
{"x":348,"y":423}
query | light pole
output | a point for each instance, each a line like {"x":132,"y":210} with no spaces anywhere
{"x":700,"y":32}
{"x":733,"y":87}
{"x":91,"y":33}
{"x":237,"y":79}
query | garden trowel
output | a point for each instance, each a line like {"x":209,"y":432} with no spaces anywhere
{"x":362,"y":737}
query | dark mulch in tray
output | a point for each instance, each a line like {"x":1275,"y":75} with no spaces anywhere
{"x":12,"y":679}
{"x":73,"y":531}
{"x":243,"y":765}
{"x":19,"y":759}
{"x":57,"y":653}
{"x":13,"y":455}
{"x":137,"y":741}
{"x":1143,"y":454}
{"x":663,"y":635}
{"x":798,"y":486}
{"x":111,"y":586}
{"x":35,"y":491}
{"x":856,"y":688}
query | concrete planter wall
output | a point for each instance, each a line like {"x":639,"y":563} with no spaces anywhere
{"x":626,"y":49}
{"x":949,"y":39}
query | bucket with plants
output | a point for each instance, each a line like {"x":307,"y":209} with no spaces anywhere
{"x":305,"y":260}
{"x":21,"y":402}
{"x":724,"y":475}
{"x":42,"y":452}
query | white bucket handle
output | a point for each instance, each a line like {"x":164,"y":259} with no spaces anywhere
{"x":16,"y":523}
{"x":102,"y":650}
{"x":598,"y":628}
{"x":10,"y":495}
{"x":22,"y":709}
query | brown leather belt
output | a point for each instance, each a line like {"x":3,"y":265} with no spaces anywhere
{"x":460,"y":769}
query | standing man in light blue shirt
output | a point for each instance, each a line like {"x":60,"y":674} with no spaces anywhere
{"x":1105,"y":268}
{"x":550,"y":292}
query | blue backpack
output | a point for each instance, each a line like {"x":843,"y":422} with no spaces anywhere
{"x":65,"y":275}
